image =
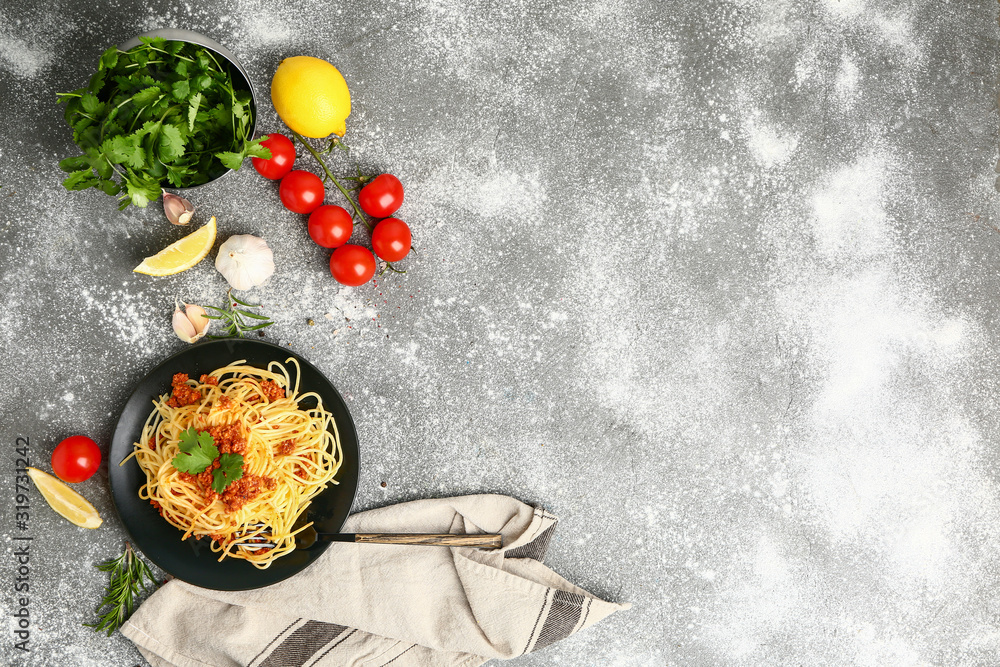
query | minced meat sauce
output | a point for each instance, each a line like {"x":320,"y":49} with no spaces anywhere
{"x":272,"y":390}
{"x":203,"y":480}
{"x":229,"y":439}
{"x":245,"y":489}
{"x":182,"y":393}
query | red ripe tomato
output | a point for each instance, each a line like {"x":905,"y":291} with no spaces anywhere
{"x":382,"y":196}
{"x":301,"y":191}
{"x":76,"y":458}
{"x":282,"y":157}
{"x":391,"y":239}
{"x":330,"y":226}
{"x":352,"y":265}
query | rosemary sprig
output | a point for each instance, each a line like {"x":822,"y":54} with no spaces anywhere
{"x":128,"y":574}
{"x":233,"y":317}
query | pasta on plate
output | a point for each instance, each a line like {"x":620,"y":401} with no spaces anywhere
{"x":290,"y":452}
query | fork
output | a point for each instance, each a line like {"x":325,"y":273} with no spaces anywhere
{"x":309,"y":535}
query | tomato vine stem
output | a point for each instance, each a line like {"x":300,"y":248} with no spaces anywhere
{"x":329,"y":175}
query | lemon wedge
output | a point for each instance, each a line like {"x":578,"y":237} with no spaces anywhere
{"x":65,"y":500}
{"x":180,"y":255}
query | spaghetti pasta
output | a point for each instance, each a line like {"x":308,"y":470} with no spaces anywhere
{"x":290,"y":454}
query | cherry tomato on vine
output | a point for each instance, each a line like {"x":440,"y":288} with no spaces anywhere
{"x":352,"y":265}
{"x":76,"y":458}
{"x":382,"y":196}
{"x":301,"y":191}
{"x":391,"y":239}
{"x":330,"y":226}
{"x":282,"y":157}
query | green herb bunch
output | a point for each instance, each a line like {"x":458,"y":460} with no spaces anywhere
{"x":198,"y":453}
{"x":234,"y":318}
{"x":128,"y":574}
{"x":162,"y":113}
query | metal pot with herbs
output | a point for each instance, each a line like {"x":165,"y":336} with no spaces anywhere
{"x":162,"y":114}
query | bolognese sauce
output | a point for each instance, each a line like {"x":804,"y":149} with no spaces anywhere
{"x":182,"y":393}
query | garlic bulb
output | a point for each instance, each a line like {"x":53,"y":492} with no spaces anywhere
{"x":177,"y":209}
{"x":245,"y":261}
{"x":191,"y":323}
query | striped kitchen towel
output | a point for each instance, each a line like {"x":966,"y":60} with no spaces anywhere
{"x":372,"y":604}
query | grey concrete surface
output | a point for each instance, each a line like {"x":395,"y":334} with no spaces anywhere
{"x":714,"y":282}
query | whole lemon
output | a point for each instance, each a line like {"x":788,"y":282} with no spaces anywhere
{"x":311,"y":96}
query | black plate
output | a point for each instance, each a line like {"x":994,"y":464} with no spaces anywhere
{"x":192,"y":560}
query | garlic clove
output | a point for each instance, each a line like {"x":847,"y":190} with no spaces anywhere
{"x":198,"y":318}
{"x":183,"y":327}
{"x":245,"y":261}
{"x":178,"y":210}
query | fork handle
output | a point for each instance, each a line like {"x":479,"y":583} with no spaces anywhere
{"x":431,"y":539}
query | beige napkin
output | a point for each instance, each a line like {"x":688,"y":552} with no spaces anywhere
{"x":372,"y":604}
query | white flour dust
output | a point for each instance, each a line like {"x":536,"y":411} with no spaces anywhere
{"x":895,"y":29}
{"x":18,"y":57}
{"x":848,"y":79}
{"x":872,"y":516}
{"x":885,"y":467}
{"x":844,"y":8}
{"x":19,"y":53}
{"x":498,"y":192}
{"x":849,"y":217}
{"x":124,"y":316}
{"x":866,"y":327}
{"x":769,"y":146}
{"x":263,"y":30}
{"x":759,"y":593}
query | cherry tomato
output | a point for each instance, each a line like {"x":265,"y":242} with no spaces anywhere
{"x":391,"y":239}
{"x":330,"y":226}
{"x":382,"y":196}
{"x":282,"y":157}
{"x":352,"y":265}
{"x":301,"y":191}
{"x":76,"y":458}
